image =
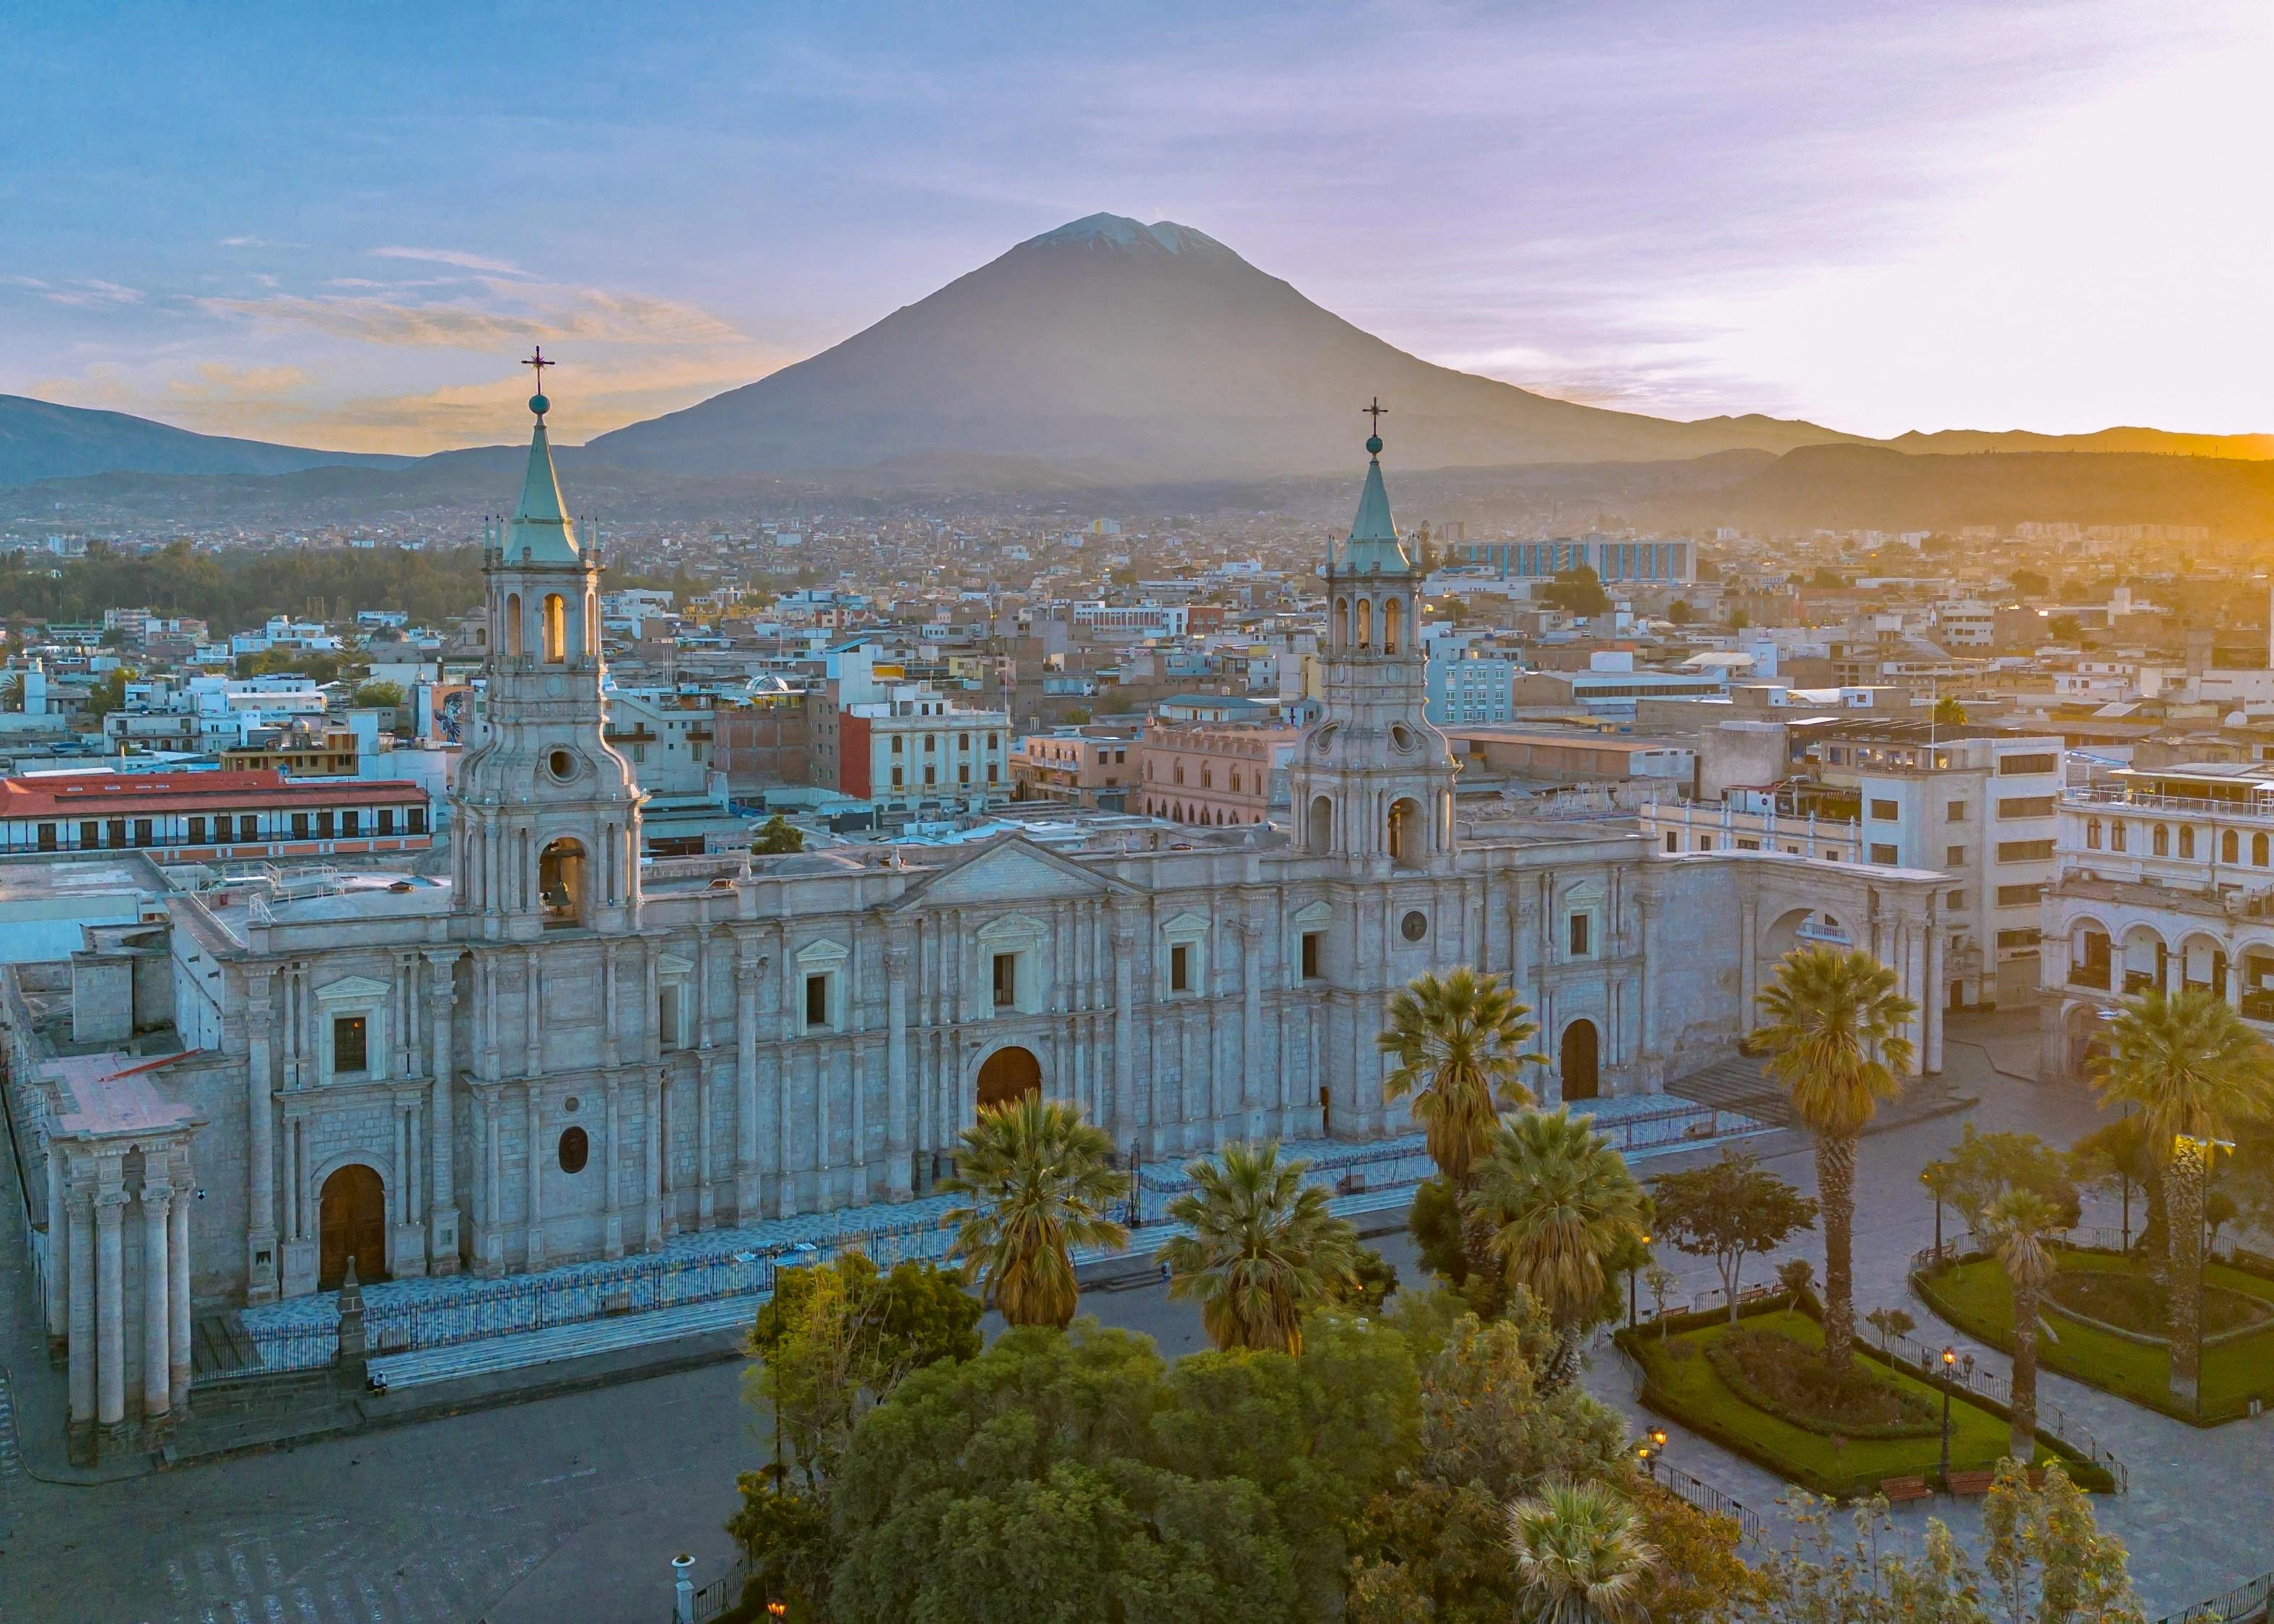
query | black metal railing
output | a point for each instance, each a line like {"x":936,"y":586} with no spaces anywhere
{"x":1711,"y":1500}
{"x":2248,"y":1603}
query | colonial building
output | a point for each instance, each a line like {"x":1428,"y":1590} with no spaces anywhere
{"x":564,"y":1053}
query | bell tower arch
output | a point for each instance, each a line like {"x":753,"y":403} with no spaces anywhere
{"x":547,"y":814}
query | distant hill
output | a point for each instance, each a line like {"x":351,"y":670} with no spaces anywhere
{"x":1154,"y":351}
{"x":1875,"y":488}
{"x":41,"y":440}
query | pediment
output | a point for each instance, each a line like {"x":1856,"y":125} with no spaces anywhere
{"x":353,"y":989}
{"x":1013,"y":928}
{"x":1188,"y":923}
{"x":673,"y":965}
{"x":1011,"y":870}
{"x":1317,"y":913}
{"x":823,"y":952}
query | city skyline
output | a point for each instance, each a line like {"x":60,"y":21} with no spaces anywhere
{"x":325,"y":233}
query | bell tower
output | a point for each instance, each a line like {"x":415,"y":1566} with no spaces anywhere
{"x":547,"y":815}
{"x":1373,"y":778}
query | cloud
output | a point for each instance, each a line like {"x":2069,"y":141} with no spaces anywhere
{"x":451,"y":256}
{"x":546,"y":312}
{"x":90,"y":294}
{"x":257,"y":242}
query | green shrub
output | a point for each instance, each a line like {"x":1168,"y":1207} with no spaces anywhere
{"x":1789,"y":1380}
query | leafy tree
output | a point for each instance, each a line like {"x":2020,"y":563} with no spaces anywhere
{"x":1434,"y":1543}
{"x":835,"y":1340}
{"x":1263,"y":1251}
{"x":785,"y":1537}
{"x":1458,"y":1042}
{"x":11,"y":691}
{"x":1041,"y":1180}
{"x":1579,"y":591}
{"x":2066,"y":628}
{"x":1830,"y":580}
{"x":1062,"y":1479}
{"x":1700,"y":1579}
{"x":2116,"y":1154}
{"x":1835,"y":1042}
{"x":2195,"y":1073}
{"x":1679,"y":612}
{"x":2017,"y":1226}
{"x":777,"y":838}
{"x":2046,"y":1558}
{"x":1560,"y":1205}
{"x":1948,"y":712}
{"x":242,"y":586}
{"x":1892,"y":1324}
{"x":1728,"y":1210}
{"x":2029,"y":584}
{"x":1659,"y":1282}
{"x":1739,"y":619}
{"x":109,"y":692}
{"x":378,"y":697}
{"x":1580,"y":1555}
{"x":1795,"y":1279}
{"x":1983,"y":1166}
{"x":1435,"y":1223}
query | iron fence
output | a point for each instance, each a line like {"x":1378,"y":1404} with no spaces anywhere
{"x":2248,"y":1603}
{"x":719,"y":1595}
{"x":1711,"y":1500}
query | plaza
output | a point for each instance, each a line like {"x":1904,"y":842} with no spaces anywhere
{"x":574,"y":1505}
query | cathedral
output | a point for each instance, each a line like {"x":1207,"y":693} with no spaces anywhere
{"x":563,"y":1052}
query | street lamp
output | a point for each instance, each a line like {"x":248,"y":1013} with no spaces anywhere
{"x":776,"y":1608}
{"x":1930,"y":1184}
{"x":1949,"y":1358}
{"x":1631,"y":1267}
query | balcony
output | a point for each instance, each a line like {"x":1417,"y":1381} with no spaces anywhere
{"x":2094,"y":976}
{"x":2257,"y":1003}
{"x":2137,"y":982}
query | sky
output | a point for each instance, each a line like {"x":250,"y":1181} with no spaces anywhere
{"x":343,"y":226}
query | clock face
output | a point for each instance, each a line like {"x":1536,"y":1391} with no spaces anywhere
{"x":1414,"y":926}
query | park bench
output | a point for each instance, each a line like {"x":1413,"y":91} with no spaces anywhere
{"x":1971,"y":1482}
{"x":1897,"y":1490}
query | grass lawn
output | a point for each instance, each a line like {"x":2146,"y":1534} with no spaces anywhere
{"x":1975,"y":1297}
{"x":1689,"y":1390}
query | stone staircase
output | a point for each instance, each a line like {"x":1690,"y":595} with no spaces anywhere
{"x":1736,"y":1084}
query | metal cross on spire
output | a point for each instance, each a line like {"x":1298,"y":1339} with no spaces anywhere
{"x":1376,"y":410}
{"x":538,"y":361}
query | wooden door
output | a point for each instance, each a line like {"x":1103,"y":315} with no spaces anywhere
{"x":351,"y":1218}
{"x":1580,"y":1061}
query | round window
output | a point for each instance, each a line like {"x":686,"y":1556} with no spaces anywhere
{"x":1414,"y":926}
{"x":576,"y":1150}
{"x":562,"y":762}
{"x":1401,"y":737}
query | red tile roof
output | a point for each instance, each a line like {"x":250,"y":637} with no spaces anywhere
{"x":131,"y":794}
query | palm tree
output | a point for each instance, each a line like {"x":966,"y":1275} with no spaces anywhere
{"x":1558,"y":1204}
{"x":1580,"y":1555}
{"x":1459,"y":1045}
{"x":1264,"y":1249}
{"x":1040,"y":1179}
{"x":2016,"y":1225}
{"x":2195,"y":1073}
{"x":1835,"y":1044}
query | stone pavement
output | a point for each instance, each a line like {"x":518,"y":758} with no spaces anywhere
{"x":2199,"y":1516}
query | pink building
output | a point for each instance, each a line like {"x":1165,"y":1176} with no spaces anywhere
{"x":1207,"y":772}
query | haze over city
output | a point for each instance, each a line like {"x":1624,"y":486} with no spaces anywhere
{"x":324,"y":229}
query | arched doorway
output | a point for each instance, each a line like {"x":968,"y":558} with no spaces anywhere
{"x":1406,"y":837}
{"x":1577,"y":1061}
{"x":1008,"y":1075}
{"x":352,"y":1222}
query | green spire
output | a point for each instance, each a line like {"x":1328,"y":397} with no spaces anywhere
{"x":540,"y":524}
{"x":1373,"y":547}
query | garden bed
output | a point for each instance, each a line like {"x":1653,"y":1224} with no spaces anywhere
{"x":2238,"y":1365}
{"x":1683,"y":1381}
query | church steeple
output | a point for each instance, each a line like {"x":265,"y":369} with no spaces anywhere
{"x":1374,"y":778}
{"x":548,"y":814}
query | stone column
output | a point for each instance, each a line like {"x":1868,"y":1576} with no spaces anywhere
{"x":533,"y":1181}
{"x":61,"y":1217}
{"x":1251,"y":1019}
{"x":178,"y":1294}
{"x":157,"y":1326}
{"x":745,"y":1082}
{"x":1914,"y":972}
{"x":705,"y":1064}
{"x":260,"y":1263}
{"x":611,"y":1158}
{"x":1127,"y":1106}
{"x":442,"y":1135}
{"x":79,"y":1331}
{"x":898,"y":1147}
{"x":652,"y":1172}
{"x":109,"y":1310}
{"x":1934,"y":1000}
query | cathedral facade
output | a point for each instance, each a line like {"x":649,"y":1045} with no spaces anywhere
{"x":564,"y":1053}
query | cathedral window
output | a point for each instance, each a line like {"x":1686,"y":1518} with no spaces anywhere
{"x":575,"y":1149}
{"x":1391,"y":620}
{"x":1342,"y":621}
{"x":513,"y":623}
{"x":1365,"y":624}
{"x":556,"y":628}
{"x":817,"y":1002}
{"x":1006,"y":980}
{"x":350,"y":1045}
{"x":1181,"y":967}
{"x":1580,"y":928}
{"x":1314,"y":941}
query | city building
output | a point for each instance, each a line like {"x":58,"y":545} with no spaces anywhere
{"x":1076,"y":766}
{"x":1215,"y":773}
{"x":1472,"y":684}
{"x":223,"y":816}
{"x":1613,"y":559}
{"x":2165,"y":881}
{"x":560,"y":1052}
